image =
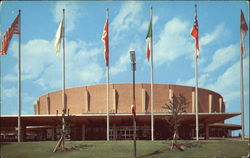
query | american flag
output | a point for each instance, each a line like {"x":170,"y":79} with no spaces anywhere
{"x":195,"y":34}
{"x":13,"y":29}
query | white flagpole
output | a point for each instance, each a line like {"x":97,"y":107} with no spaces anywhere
{"x":63,"y":83}
{"x":196,"y":99}
{"x":19,"y":83}
{"x":242,"y":97}
{"x":107,"y":75}
{"x":152,"y":79}
{"x":196,"y":88}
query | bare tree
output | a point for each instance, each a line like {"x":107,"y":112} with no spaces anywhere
{"x":176,"y":106}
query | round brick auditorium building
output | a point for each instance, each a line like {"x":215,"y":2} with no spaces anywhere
{"x":87,"y":113}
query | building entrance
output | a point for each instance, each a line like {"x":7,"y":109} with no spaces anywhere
{"x":126,"y":132}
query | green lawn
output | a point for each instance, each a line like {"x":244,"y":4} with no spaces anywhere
{"x":118,"y":149}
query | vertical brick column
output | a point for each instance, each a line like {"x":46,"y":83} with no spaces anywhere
{"x":210,"y":100}
{"x":143,"y":96}
{"x":114,"y":101}
{"x":220,"y":104}
{"x":48,"y":104}
{"x":38,"y":106}
{"x":193,"y":102}
{"x":86,"y":101}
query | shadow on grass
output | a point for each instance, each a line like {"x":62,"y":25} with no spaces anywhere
{"x":74,"y":148}
{"x":83,"y":146}
{"x":151,"y":154}
{"x":4,"y":143}
{"x":188,"y":144}
{"x":194,"y":144}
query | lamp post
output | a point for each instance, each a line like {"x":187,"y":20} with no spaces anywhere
{"x":133,"y":65}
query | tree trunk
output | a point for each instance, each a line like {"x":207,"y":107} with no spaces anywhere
{"x":174,"y":140}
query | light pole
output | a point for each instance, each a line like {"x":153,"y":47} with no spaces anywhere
{"x":133,"y":65}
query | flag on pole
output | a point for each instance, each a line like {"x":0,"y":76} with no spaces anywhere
{"x":105,"y":38}
{"x":243,"y":31}
{"x":195,"y":34}
{"x":148,"y":40}
{"x":59,"y":35}
{"x":13,"y":29}
{"x":133,"y":108}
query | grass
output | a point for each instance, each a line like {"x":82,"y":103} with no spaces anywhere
{"x":122,"y":149}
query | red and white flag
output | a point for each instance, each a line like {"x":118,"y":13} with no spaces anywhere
{"x":13,"y":29}
{"x":195,"y":34}
{"x":105,"y":38}
{"x":243,"y":32}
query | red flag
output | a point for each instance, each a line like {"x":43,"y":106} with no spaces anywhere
{"x":105,"y":38}
{"x":13,"y":29}
{"x":195,"y":35}
{"x":243,"y":32}
{"x":133,"y":108}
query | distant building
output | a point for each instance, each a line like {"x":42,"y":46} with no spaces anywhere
{"x":87,"y":113}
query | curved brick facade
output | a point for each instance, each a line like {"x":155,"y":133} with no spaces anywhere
{"x":92,"y":99}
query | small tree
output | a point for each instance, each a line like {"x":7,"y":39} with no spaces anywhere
{"x":175,"y":106}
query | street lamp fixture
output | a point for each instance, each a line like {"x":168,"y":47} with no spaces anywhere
{"x":133,"y":59}
{"x":133,"y":65}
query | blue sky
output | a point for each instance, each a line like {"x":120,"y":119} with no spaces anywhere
{"x":219,"y":68}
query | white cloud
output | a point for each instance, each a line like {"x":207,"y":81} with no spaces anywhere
{"x":190,"y":82}
{"x":144,"y":25}
{"x":43,"y":67}
{"x":9,"y":92}
{"x":210,"y":37}
{"x":202,"y":81}
{"x":174,"y":41}
{"x":121,"y":65}
{"x":128,"y":16}
{"x":221,"y":57}
{"x":228,"y":84}
{"x":201,"y":61}
{"x":10,"y":78}
{"x":72,"y":12}
{"x":124,"y":61}
{"x":34,"y":59}
{"x":27,"y":98}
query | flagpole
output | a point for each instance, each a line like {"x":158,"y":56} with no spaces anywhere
{"x":196,"y":88}
{"x":243,"y":31}
{"x":196,"y":98}
{"x":63,"y":83}
{"x":242,"y":97}
{"x":19,"y":82}
{"x":152,"y":82}
{"x":107,"y":77}
{"x":0,"y":60}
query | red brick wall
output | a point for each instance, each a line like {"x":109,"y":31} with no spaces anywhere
{"x":97,"y":95}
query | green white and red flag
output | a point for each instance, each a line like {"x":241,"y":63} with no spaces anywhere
{"x":149,"y":40}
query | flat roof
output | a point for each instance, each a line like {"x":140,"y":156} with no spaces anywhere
{"x":50,"y":120}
